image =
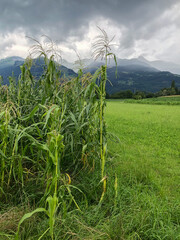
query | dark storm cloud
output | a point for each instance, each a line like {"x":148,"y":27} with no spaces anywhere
{"x":60,"y":19}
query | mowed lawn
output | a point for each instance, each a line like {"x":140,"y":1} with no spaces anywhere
{"x":147,"y":164}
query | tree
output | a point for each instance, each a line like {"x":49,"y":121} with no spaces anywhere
{"x":174,"y":89}
{"x":139,"y":95}
{"x":173,"y":84}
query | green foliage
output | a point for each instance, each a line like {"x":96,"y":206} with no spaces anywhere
{"x":168,"y":100}
{"x":139,"y":95}
{"x":50,"y":131}
{"x":173,"y":90}
{"x":122,"y":94}
{"x":26,"y":216}
{"x":173,"y":84}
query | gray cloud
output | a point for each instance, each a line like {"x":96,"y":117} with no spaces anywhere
{"x":61,"y":19}
{"x":71,"y":17}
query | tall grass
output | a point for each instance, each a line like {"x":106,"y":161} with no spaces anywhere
{"x":51,"y":130}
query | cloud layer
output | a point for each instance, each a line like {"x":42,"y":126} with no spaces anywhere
{"x":148,"y":27}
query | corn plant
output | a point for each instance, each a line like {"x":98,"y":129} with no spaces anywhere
{"x":52,"y":131}
{"x":102,"y":49}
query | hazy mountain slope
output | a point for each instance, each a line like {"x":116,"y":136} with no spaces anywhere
{"x":13,"y":66}
{"x":134,"y":74}
{"x":140,"y":61}
{"x":10,"y":61}
{"x":162,"y":65}
{"x":139,"y":80}
{"x":166,"y":66}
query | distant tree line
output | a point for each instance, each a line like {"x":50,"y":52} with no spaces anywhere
{"x":128,"y":94}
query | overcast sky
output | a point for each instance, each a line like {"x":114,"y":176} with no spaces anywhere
{"x":141,"y":27}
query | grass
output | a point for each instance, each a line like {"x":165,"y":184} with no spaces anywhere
{"x":147,"y":166}
{"x":144,"y":167}
{"x":149,"y":135}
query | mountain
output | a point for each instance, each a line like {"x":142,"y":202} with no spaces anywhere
{"x":140,"y":61}
{"x":134,"y":74}
{"x":10,"y":61}
{"x":166,"y":66}
{"x":161,"y":65}
{"x":136,"y":79}
{"x":89,"y":65}
{"x":12,"y":65}
{"x":67,"y":64}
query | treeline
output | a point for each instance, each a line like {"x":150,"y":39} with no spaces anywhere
{"x":128,"y":94}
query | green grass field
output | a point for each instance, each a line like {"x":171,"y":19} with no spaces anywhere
{"x":144,"y":158}
{"x":167,"y":100}
{"x":147,"y":164}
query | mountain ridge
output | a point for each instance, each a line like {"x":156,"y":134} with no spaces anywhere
{"x":142,"y":61}
{"x":133,"y":74}
{"x":12,"y":65}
